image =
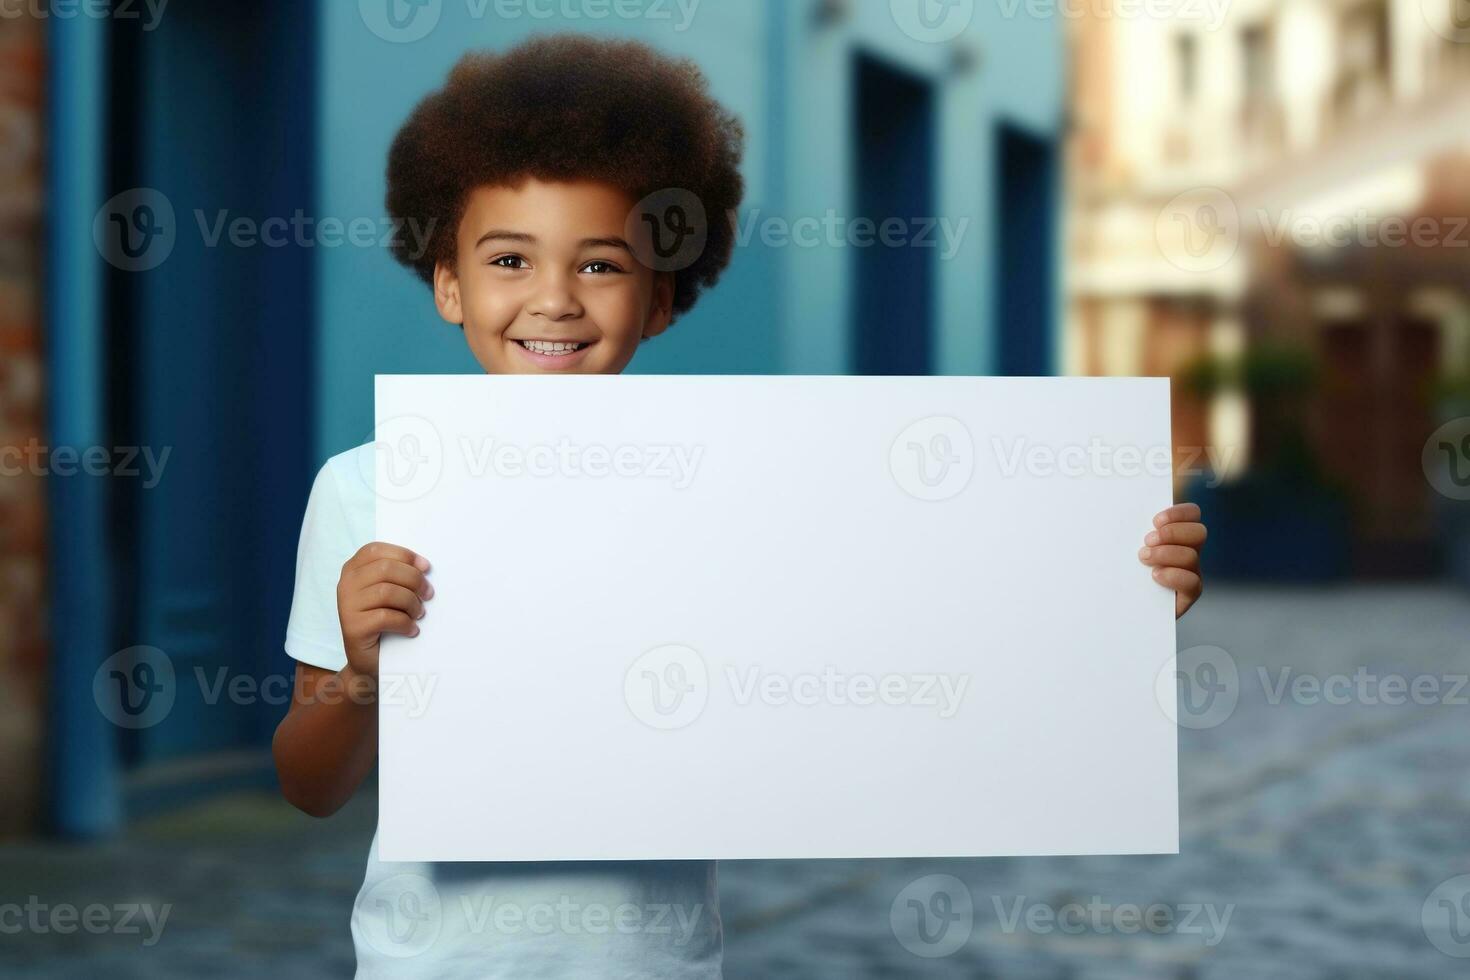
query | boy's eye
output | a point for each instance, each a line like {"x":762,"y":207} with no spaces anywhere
{"x":600,"y":267}
{"x":509,"y":262}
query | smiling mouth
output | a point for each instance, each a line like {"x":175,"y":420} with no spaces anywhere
{"x":553,"y":348}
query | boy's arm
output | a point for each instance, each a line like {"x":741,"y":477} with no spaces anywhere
{"x":328,"y":742}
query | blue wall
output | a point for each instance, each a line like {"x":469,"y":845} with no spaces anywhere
{"x":786,"y":70}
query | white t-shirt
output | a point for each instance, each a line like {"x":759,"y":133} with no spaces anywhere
{"x":492,"y":919}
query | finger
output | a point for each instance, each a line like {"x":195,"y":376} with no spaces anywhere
{"x":1170,"y":556}
{"x":1176,"y":514}
{"x":1182,"y":603}
{"x":388,"y":570}
{"x":1179,"y":579}
{"x":392,"y":621}
{"x":386,"y":595}
{"x":1189,"y":535}
{"x":379,"y":550}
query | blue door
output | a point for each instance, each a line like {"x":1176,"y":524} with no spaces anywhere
{"x":893,"y":288}
{"x":204,"y":353}
{"x":1026,"y":204}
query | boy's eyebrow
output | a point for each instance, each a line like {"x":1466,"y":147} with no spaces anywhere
{"x":504,"y":235}
{"x":613,"y":242}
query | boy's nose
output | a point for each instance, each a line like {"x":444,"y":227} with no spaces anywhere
{"x":553,"y":300}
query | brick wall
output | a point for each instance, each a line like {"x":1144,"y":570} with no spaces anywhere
{"x":22,"y":495}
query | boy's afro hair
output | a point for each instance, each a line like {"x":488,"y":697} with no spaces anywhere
{"x":566,"y":107}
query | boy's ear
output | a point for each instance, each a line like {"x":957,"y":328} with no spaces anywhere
{"x":661,"y":310}
{"x":446,"y":294}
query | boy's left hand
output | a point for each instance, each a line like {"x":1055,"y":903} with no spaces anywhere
{"x":1172,"y":548}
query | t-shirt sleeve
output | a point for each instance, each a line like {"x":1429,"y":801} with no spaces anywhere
{"x":313,"y":633}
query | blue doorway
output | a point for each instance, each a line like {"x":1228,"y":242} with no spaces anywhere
{"x":201,"y":348}
{"x":893,"y":287}
{"x":1027,"y":206}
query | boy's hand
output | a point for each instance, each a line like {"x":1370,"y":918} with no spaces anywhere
{"x":382,"y":590}
{"x":1172,"y":548}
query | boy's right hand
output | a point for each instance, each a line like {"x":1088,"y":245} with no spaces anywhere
{"x":382,"y":590}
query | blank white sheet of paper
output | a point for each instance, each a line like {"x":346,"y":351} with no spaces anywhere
{"x":776,"y":617}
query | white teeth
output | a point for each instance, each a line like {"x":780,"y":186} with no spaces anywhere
{"x":551,"y":346}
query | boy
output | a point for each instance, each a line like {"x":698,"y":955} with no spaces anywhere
{"x":520,"y":176}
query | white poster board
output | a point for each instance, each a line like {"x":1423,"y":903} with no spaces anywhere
{"x":776,"y":617}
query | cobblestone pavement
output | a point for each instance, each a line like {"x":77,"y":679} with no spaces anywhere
{"x":1317,"y":823}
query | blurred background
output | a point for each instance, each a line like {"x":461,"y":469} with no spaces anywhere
{"x":1265,"y":201}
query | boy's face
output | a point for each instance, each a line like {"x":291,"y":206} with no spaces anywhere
{"x":545,"y":282}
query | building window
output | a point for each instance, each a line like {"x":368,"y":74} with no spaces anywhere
{"x":1186,"y":67}
{"x":1255,"y":44}
{"x":1260,"y":115}
{"x":1362,"y":59}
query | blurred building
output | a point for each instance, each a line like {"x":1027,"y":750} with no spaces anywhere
{"x":22,"y":494}
{"x":250,"y":357}
{"x":1267,"y":202}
